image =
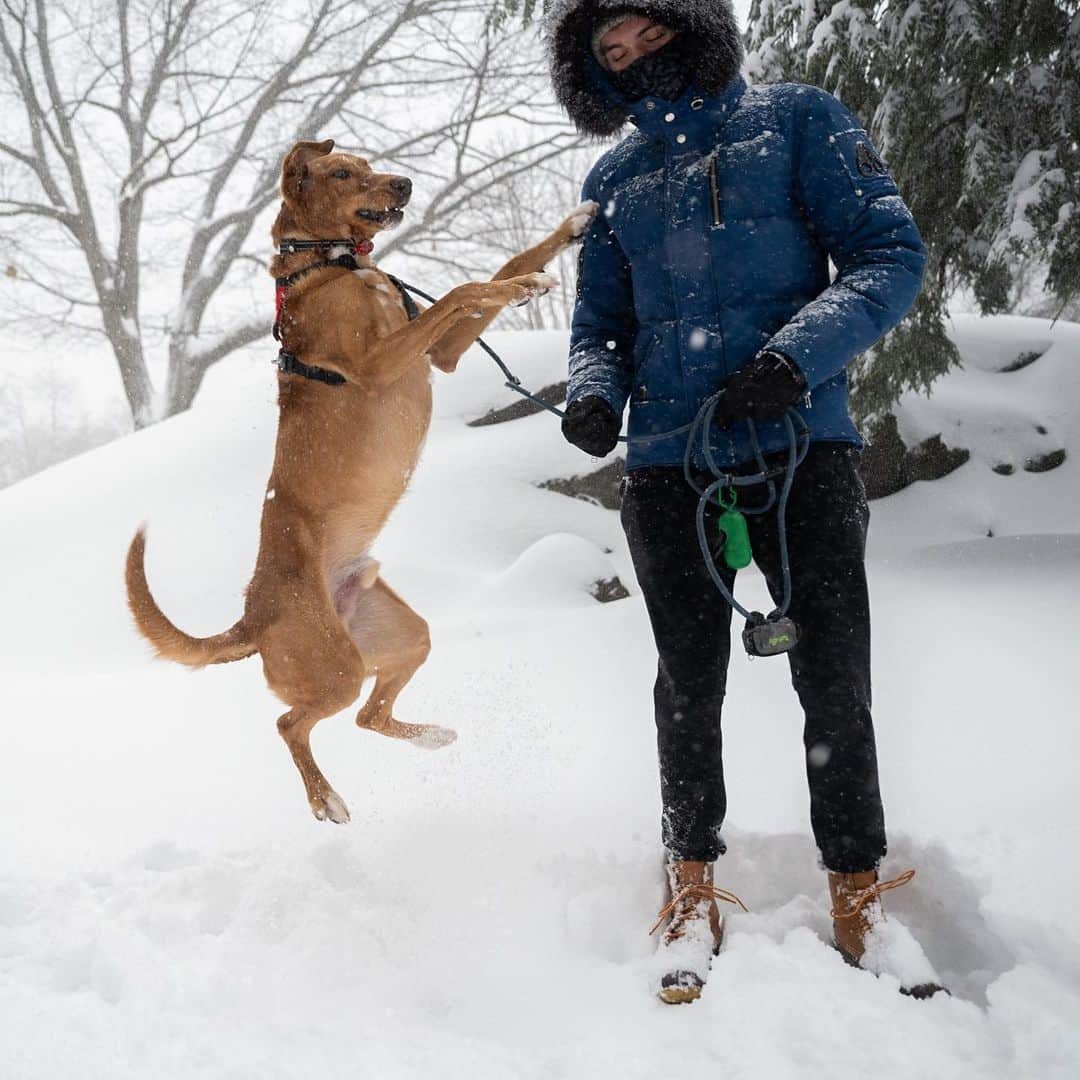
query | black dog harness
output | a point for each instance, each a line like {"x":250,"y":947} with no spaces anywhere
{"x":289,"y":363}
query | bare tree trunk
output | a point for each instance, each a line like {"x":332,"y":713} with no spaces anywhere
{"x":127,"y":348}
{"x":185,"y":380}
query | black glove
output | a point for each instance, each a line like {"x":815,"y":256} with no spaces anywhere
{"x":591,"y":425}
{"x":763,"y":390}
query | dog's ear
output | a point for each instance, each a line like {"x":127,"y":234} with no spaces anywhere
{"x":294,"y":169}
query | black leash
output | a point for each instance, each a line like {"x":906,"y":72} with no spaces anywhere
{"x":764,"y":635}
{"x":515,"y":384}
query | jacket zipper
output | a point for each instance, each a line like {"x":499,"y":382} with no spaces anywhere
{"x":714,"y":192}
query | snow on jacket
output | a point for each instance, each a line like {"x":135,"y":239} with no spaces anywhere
{"x":717,"y":220}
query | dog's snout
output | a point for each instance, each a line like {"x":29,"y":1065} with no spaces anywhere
{"x":402,"y":186}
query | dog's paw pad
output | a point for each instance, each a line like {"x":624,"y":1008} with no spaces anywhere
{"x":331,"y":807}
{"x":434,"y":737}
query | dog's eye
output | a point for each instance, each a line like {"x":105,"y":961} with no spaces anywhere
{"x":342,"y":174}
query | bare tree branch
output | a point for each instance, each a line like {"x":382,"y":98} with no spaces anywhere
{"x":147,"y":137}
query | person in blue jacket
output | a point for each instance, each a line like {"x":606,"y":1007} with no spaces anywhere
{"x":708,"y":267}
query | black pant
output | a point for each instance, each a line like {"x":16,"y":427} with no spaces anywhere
{"x":827,"y":519}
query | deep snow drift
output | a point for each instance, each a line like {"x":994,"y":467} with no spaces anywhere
{"x":169,"y":908}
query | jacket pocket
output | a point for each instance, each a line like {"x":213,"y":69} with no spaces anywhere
{"x":653,"y":419}
{"x":652,"y":383}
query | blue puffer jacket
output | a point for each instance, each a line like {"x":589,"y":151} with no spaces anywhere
{"x":717,"y":221}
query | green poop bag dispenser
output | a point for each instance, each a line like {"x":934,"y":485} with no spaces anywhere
{"x":737,"y":552}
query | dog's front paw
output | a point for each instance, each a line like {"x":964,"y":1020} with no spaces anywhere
{"x":530,"y":286}
{"x":539,"y":284}
{"x":542,"y":283}
{"x":580,"y":219}
{"x":330,"y":806}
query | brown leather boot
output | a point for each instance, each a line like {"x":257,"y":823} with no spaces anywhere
{"x":857,"y":923}
{"x":852,"y":923}
{"x":693,"y":934}
{"x":856,"y":908}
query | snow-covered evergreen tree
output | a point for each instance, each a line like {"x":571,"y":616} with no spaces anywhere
{"x":976,"y":106}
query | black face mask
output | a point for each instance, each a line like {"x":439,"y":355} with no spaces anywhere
{"x":665,"y":73}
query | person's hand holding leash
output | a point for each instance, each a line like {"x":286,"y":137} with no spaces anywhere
{"x":763,"y":390}
{"x":591,"y":425}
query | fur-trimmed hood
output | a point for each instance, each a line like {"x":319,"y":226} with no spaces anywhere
{"x":581,"y":85}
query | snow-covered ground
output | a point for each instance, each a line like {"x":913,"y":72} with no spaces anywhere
{"x":169,"y":907}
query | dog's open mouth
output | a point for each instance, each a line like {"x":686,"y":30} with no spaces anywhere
{"x":387,"y":218}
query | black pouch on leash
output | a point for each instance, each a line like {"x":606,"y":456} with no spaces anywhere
{"x":769,"y":636}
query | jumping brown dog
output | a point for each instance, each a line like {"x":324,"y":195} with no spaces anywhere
{"x":316,"y":610}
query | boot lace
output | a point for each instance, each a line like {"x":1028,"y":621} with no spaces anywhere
{"x":683,"y":904}
{"x":858,"y":900}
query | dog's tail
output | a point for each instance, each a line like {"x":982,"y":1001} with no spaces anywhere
{"x":170,"y":642}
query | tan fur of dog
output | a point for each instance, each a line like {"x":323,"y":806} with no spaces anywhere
{"x":316,"y":610}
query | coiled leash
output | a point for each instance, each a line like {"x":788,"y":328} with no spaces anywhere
{"x":763,"y":635}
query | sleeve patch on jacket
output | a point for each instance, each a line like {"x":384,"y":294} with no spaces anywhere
{"x":868,"y":160}
{"x":868,"y":173}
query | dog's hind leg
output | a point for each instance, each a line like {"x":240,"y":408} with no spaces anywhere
{"x":295,"y":728}
{"x":318,"y":676}
{"x":394,"y":642}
